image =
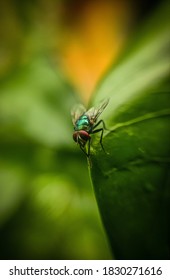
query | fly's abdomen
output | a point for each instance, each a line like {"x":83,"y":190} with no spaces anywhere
{"x":82,"y":123}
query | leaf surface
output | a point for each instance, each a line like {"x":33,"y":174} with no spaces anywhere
{"x":131,"y":181}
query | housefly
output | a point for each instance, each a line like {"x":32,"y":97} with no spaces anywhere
{"x":86,"y":123}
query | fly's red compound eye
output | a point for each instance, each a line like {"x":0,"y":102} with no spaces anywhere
{"x":84,"y":135}
{"x":81,"y":136}
{"x":75,"y":136}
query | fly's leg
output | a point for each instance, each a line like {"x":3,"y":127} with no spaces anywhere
{"x":88,"y":151}
{"x":89,"y":142}
{"x":82,"y":148}
{"x":101,"y":137}
{"x":102,"y":130}
{"x":103,"y":123}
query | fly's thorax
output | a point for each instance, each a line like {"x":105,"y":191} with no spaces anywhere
{"x":82,"y":123}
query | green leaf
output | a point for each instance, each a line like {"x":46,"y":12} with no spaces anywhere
{"x":131,"y":180}
{"x":46,"y":210}
{"x":37,"y":100}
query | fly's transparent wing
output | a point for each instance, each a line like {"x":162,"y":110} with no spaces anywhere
{"x":94,"y":112}
{"x":77,"y":111}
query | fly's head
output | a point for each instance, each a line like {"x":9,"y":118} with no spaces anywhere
{"x":81,"y":137}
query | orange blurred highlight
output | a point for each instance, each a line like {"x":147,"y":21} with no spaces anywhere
{"x":93,"y":41}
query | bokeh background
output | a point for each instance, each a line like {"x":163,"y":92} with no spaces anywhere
{"x":52,"y":54}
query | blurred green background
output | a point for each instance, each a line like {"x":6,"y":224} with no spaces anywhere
{"x":52,"y":53}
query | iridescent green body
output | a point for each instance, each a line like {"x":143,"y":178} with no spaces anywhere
{"x":82,"y":123}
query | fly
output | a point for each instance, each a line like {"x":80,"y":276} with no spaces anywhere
{"x":85,"y":123}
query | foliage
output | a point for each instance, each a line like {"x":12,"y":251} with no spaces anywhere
{"x":131,"y":181}
{"x":47,"y":208}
